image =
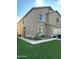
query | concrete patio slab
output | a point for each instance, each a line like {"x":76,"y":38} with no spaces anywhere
{"x":37,"y":41}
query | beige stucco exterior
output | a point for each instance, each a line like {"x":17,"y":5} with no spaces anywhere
{"x":20,"y":28}
{"x":30,"y":23}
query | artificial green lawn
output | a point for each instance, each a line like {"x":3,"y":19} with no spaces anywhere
{"x":47,"y":50}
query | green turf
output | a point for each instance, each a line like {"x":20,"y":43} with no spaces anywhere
{"x":47,"y":50}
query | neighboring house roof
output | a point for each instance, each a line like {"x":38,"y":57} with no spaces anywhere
{"x":39,"y":8}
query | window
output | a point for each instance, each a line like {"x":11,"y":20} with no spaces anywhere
{"x":31,"y":29}
{"x":57,"y":19}
{"x":42,"y":17}
{"x":27,"y":29}
{"x":41,"y":30}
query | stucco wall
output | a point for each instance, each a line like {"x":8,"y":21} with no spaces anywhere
{"x":53,"y":21}
{"x":53,"y":18}
{"x":20,"y":27}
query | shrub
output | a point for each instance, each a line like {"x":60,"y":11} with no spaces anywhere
{"x":44,"y":36}
{"x":59,"y":36}
{"x":37,"y":37}
{"x":19,"y":35}
{"x":29,"y":37}
{"x":54,"y":36}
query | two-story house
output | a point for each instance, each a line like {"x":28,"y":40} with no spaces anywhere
{"x":41,"y":20}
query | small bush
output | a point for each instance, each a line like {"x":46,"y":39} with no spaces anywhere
{"x":19,"y":35}
{"x":59,"y":36}
{"x":54,"y":36}
{"x":44,"y":36}
{"x":37,"y":37}
{"x":29,"y":37}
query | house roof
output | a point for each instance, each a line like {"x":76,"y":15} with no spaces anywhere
{"x":58,"y":13}
{"x":39,"y":8}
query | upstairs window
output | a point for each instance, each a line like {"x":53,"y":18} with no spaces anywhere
{"x":27,"y":30}
{"x":57,"y":19}
{"x":41,"y":17}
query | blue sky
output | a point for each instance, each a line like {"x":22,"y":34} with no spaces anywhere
{"x":23,"y":6}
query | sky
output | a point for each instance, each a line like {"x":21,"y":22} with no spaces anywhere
{"x":23,"y":6}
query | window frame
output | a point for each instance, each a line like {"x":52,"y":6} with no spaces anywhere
{"x":42,"y":17}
